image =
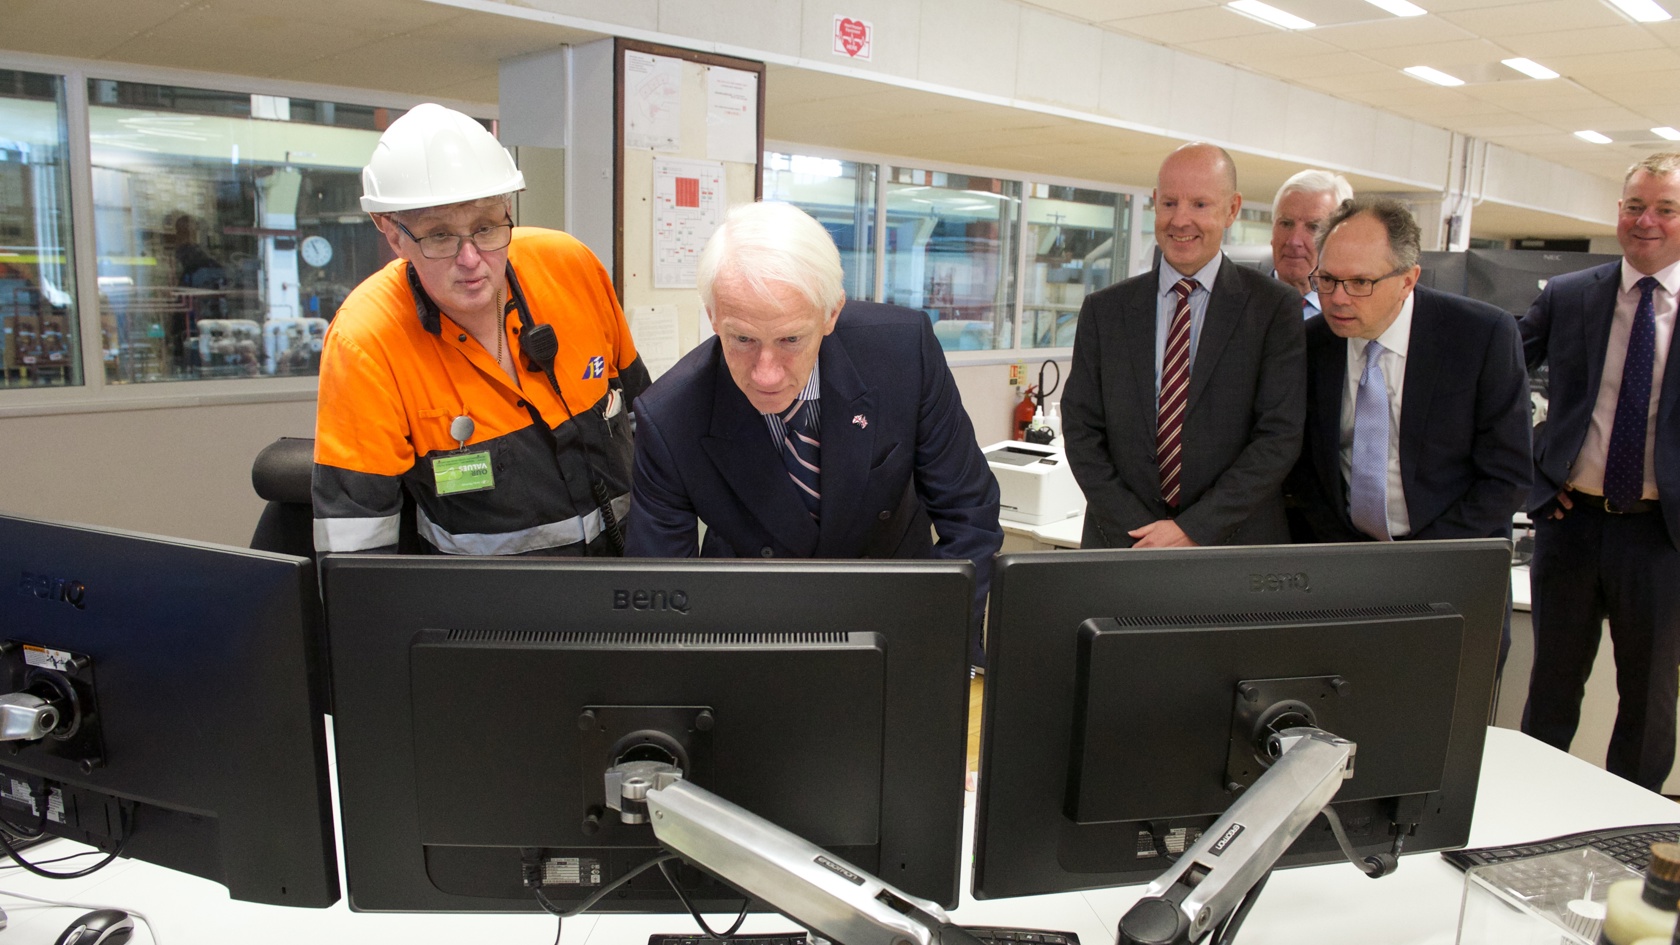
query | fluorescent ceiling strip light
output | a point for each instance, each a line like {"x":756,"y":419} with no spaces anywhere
{"x":1269,"y":14}
{"x":1436,"y":76}
{"x":1593,"y":136}
{"x":1644,"y":11}
{"x":1530,"y":68}
{"x":1671,"y":134}
{"x":1399,"y":7}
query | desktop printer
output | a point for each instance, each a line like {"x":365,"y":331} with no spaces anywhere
{"x":1035,"y":481}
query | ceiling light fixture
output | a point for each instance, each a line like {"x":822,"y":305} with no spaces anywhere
{"x":1399,"y":7}
{"x":1530,"y":68}
{"x":1428,"y":74}
{"x":1593,"y":136}
{"x":1671,"y":134}
{"x":1642,"y":11}
{"x":1270,"y":15}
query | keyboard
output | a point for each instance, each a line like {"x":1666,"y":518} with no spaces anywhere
{"x":989,"y":936}
{"x":1631,"y":845}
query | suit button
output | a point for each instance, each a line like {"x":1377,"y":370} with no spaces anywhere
{"x":884,"y":515}
{"x":766,"y":552}
{"x":521,"y":404}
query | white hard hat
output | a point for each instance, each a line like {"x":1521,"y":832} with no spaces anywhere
{"x":432,"y":157}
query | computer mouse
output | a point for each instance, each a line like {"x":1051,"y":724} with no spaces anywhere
{"x":99,"y":927}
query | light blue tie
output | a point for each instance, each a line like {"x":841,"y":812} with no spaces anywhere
{"x":1368,"y":478}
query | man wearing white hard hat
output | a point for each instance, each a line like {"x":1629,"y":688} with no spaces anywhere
{"x":486,"y":372}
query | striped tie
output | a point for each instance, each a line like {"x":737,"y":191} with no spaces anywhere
{"x":1175,"y":389}
{"x":802,"y":454}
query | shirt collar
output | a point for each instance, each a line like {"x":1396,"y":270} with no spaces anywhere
{"x":812,"y":389}
{"x":1204,"y":276}
{"x":1398,"y":336}
{"x":1668,"y":276}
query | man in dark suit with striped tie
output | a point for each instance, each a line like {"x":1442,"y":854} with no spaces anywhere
{"x":1606,"y":494}
{"x":809,"y":426}
{"x":1187,"y":392}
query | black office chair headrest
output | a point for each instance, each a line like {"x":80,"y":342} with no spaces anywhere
{"x":282,"y":470}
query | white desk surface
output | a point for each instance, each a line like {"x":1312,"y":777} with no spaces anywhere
{"x":1528,"y":791}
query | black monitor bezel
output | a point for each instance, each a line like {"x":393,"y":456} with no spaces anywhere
{"x":1040,"y":599}
{"x":216,"y":650}
{"x":376,"y":604}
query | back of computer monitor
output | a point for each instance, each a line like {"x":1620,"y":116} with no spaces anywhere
{"x":1118,"y":681}
{"x":480,"y":701}
{"x":191,"y":738}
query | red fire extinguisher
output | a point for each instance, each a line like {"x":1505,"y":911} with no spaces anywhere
{"x":1024,"y":412}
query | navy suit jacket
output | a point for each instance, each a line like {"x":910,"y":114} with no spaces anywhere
{"x":1464,"y":429}
{"x":1242,"y":423}
{"x":898,"y":454}
{"x":1568,"y":329}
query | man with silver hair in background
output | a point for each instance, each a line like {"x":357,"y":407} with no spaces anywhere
{"x":808,"y":426}
{"x":1299,"y":210}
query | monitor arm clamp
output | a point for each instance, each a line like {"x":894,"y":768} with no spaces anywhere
{"x":809,"y":885}
{"x":1209,"y":881}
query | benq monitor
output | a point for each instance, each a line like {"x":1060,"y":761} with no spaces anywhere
{"x":170,"y":689}
{"x":1129,"y":692}
{"x":479,"y":703}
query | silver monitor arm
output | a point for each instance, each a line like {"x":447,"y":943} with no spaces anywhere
{"x":1211,"y":878}
{"x":811,"y":886}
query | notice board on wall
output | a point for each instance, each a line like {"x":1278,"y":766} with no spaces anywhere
{"x":689,"y":144}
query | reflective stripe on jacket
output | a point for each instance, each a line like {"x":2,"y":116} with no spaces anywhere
{"x":396,"y":373}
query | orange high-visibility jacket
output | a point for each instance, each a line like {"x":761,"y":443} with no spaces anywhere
{"x":396,"y":373}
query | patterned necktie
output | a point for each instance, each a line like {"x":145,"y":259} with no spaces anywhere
{"x":1175,"y":391}
{"x":1624,"y":461}
{"x":1368,"y":478}
{"x":802,"y":454}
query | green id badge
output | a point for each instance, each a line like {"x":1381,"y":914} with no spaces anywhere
{"x":463,"y":472}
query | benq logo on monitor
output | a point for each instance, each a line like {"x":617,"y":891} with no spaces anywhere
{"x":46,"y":587}
{"x":651,"y":600}
{"x":1261,"y":583}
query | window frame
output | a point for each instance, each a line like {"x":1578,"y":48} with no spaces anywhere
{"x":884,"y":162}
{"x":96,"y":394}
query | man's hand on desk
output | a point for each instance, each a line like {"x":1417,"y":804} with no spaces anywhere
{"x":1161,"y":534}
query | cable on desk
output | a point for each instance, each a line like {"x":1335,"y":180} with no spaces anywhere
{"x":122,"y":844}
{"x":1227,"y":932}
{"x":704,"y":928}
{"x":90,"y":907}
{"x":561,"y":915}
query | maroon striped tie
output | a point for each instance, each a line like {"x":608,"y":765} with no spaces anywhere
{"x":1175,"y":391}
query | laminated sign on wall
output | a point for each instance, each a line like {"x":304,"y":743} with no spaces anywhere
{"x":689,"y":199}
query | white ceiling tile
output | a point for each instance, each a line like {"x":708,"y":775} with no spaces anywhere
{"x":1539,"y":16}
{"x":1392,"y":31}
{"x":1096,"y":11}
{"x":1190,"y":26}
{"x":1611,"y":39}
{"x":1444,"y":56}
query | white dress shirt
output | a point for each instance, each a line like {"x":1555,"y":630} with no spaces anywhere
{"x":1587,"y":474}
{"x":1395,"y":341}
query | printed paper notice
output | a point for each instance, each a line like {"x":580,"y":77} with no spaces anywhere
{"x":731,"y":115}
{"x":688,"y":203}
{"x":654,"y":327}
{"x":652,"y":102}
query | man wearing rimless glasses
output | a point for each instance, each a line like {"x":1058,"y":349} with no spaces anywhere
{"x":486,"y":372}
{"x":1417,"y":418}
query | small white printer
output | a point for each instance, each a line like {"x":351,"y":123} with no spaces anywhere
{"x":1035,"y":481}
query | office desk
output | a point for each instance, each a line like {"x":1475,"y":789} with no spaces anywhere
{"x":1528,"y":791}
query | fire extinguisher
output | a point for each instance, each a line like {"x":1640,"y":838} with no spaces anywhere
{"x":1024,"y":412}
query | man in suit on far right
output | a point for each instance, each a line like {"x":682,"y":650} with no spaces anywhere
{"x":1606,"y":494}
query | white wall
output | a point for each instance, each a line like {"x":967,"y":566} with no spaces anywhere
{"x":182,"y":471}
